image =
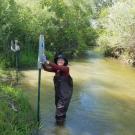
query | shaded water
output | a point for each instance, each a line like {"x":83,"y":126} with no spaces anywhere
{"x":103,"y":101}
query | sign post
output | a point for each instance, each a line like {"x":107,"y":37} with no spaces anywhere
{"x":40,"y":54}
{"x":16,"y":48}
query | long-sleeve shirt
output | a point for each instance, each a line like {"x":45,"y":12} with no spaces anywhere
{"x":58,"y":70}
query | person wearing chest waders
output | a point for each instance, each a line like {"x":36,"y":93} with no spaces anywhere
{"x":63,"y":85}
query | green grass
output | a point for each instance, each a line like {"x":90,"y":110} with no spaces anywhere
{"x":16,"y":115}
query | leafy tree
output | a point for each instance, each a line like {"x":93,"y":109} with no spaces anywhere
{"x":118,"y":24}
{"x":65,"y":23}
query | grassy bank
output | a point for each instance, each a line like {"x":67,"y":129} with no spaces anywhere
{"x":124,"y":54}
{"x":16,"y":116}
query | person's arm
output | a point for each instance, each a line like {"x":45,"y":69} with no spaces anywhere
{"x":45,"y":64}
{"x":57,"y":67}
{"x":48,"y":68}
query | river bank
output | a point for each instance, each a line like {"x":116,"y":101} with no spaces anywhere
{"x":16,"y":114}
{"x":125,"y":55}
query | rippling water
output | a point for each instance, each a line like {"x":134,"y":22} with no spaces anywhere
{"x":103,"y":101}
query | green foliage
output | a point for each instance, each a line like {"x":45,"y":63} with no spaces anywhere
{"x":117,"y":30}
{"x":15,"y":112}
{"x":65,"y":23}
{"x":49,"y":55}
{"x":118,"y":24}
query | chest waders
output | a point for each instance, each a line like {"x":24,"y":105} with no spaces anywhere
{"x":63,"y":93}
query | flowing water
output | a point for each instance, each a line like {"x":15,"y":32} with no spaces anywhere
{"x":103,"y":102}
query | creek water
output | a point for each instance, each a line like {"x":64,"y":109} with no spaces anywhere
{"x":103,"y":101}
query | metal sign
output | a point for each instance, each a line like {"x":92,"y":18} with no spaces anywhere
{"x":14,"y":46}
{"x":40,"y":55}
{"x":41,"y":49}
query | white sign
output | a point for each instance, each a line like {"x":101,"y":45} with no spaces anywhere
{"x":15,"y":47}
{"x":41,"y":50}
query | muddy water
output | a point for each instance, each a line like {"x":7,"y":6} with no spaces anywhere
{"x":103,"y":101}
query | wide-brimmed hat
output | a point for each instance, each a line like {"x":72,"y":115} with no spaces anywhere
{"x":61,"y":56}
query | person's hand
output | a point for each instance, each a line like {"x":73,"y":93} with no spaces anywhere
{"x":43,"y":59}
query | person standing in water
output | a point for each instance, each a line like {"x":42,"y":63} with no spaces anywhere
{"x":63,"y":84}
